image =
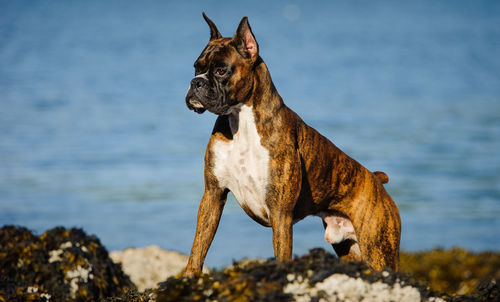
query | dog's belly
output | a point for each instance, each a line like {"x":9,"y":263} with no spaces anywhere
{"x":242,"y":165}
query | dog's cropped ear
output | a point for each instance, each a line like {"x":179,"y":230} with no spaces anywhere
{"x":214,"y":32}
{"x":244,"y":40}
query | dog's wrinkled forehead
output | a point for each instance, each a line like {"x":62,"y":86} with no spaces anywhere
{"x":216,"y":52}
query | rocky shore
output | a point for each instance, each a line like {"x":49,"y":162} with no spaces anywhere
{"x":150,"y":265}
{"x":69,"y":265}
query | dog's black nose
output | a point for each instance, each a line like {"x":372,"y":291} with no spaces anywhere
{"x":199,"y":82}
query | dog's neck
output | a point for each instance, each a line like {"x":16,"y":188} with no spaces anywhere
{"x":265,"y":98}
{"x":264,"y":91}
{"x":265,"y":102}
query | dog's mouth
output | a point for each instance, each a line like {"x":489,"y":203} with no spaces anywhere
{"x":193,"y":103}
{"x":199,"y":102}
{"x":196,"y":106}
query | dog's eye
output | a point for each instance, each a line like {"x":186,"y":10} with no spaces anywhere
{"x":220,"y":71}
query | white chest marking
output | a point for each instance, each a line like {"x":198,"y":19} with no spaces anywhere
{"x":242,"y":164}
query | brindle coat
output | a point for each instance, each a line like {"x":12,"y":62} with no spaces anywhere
{"x":308,"y":174}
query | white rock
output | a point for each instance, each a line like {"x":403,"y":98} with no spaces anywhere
{"x":79,"y":274}
{"x":150,"y":265}
{"x":340,"y":287}
{"x":66,"y":245}
{"x":55,"y":255}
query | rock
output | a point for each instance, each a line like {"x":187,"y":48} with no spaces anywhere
{"x":68,"y":265}
{"x":150,"y":265}
{"x":454,"y":271}
{"x":317,"y":276}
{"x":339,"y":287}
{"x":60,"y":265}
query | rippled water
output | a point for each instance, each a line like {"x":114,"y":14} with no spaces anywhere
{"x":95,"y":132}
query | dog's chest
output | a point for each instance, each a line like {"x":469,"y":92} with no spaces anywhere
{"x":242,"y":164}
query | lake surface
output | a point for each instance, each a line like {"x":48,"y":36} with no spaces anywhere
{"x":95,"y":132}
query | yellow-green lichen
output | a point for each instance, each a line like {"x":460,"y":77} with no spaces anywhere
{"x":455,"y":271}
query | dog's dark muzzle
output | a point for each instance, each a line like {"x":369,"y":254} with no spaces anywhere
{"x":197,"y":92}
{"x":199,"y":83}
{"x":201,"y":96}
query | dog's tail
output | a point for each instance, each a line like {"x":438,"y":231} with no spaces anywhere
{"x":382,"y":176}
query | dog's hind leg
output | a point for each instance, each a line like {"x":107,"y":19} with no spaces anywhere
{"x":347,"y":250}
{"x":339,"y":231}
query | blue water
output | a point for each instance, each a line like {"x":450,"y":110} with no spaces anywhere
{"x":95,"y":132}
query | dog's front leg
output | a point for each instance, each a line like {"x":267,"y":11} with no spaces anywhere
{"x":282,"y":197}
{"x":209,"y":214}
{"x":282,"y":235}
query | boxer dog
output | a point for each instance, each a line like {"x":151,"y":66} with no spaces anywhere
{"x":278,"y":168}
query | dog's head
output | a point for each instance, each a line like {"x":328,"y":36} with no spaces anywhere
{"x":224,"y":71}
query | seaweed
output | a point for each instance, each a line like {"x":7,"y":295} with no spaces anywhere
{"x":69,"y":265}
{"x":265,"y":280}
{"x":60,"y":265}
{"x":455,"y":272}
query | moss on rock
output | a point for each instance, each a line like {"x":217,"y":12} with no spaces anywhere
{"x":269,"y":280}
{"x":455,"y":272}
{"x":68,"y":265}
{"x":60,"y":265}
{"x":319,"y":275}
